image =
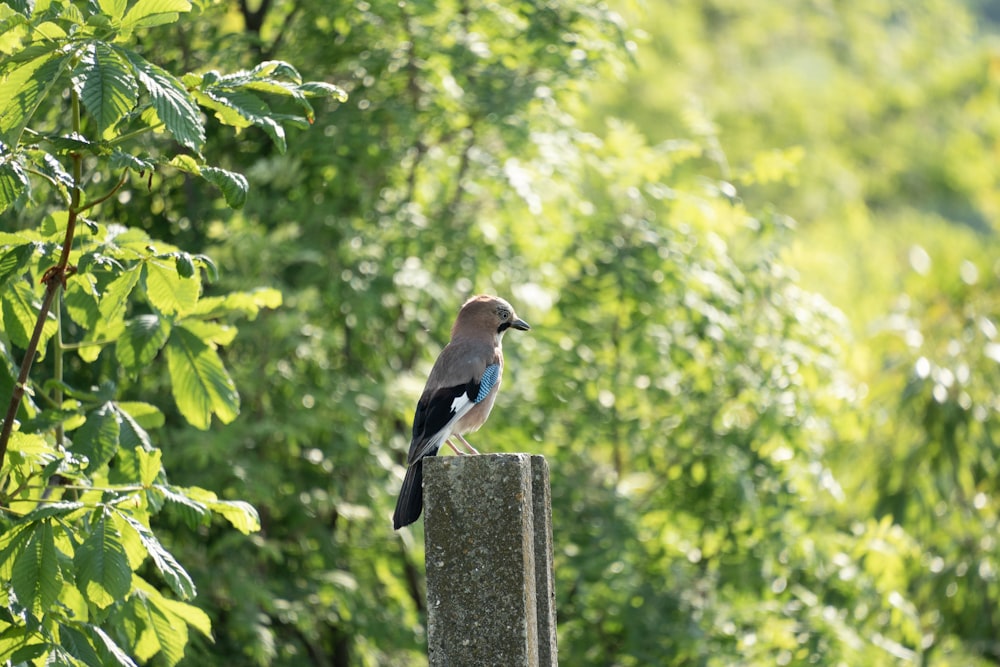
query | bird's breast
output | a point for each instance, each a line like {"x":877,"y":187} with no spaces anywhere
{"x":477,"y":416}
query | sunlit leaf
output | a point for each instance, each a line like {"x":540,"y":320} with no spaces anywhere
{"x":20,"y":312}
{"x":169,"y":632}
{"x":50,"y":510}
{"x":74,"y":642}
{"x":150,"y":465}
{"x":110,"y":652}
{"x":142,"y":340}
{"x":36,"y":576}
{"x":13,"y":182}
{"x":173,"y":104}
{"x":25,"y":87}
{"x":234,"y":186}
{"x":105,"y":85}
{"x":81,"y":300}
{"x":166,"y":290}
{"x":190,"y":614}
{"x":102,"y":569}
{"x":243,"y":516}
{"x":115,"y":298}
{"x":145,"y":415}
{"x":320,"y":88}
{"x":97,"y":439}
{"x":200,"y":384}
{"x":248,"y":304}
{"x":145,"y":13}
{"x":113,"y":8}
{"x":175,"y":575}
{"x":15,"y":260}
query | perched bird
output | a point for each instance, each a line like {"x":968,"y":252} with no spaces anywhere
{"x":459,"y":393}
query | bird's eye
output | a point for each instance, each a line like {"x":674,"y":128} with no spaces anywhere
{"x":504,"y":315}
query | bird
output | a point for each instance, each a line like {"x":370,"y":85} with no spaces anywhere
{"x":459,"y":394}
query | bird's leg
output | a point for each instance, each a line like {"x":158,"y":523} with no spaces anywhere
{"x":453,"y":447}
{"x":466,"y":443}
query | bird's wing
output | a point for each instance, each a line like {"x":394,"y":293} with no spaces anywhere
{"x":437,"y":410}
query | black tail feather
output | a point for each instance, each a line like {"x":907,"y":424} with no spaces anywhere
{"x":411,"y":496}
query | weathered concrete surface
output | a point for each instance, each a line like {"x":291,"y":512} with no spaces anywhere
{"x":486,"y":603}
{"x":545,"y":589}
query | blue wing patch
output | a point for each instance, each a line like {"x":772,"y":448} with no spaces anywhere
{"x":489,"y":379}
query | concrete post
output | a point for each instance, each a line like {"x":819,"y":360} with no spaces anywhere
{"x":490,"y":599}
{"x":545,"y":588}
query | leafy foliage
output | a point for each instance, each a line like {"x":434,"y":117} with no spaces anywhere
{"x":81,"y":478}
{"x":742,"y":472}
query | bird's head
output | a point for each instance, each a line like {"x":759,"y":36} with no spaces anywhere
{"x":487,"y":314}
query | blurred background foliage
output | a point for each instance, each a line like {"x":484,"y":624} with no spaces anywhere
{"x":758,"y":247}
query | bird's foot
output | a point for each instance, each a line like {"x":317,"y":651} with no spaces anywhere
{"x":454,"y":448}
{"x":465,"y":442}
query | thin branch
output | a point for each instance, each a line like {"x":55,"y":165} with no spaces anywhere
{"x":107,"y":196}
{"x":54,"y":278}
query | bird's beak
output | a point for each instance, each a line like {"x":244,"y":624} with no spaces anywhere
{"x":520,"y":325}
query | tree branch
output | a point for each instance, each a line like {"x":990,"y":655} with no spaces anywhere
{"x":54,"y":278}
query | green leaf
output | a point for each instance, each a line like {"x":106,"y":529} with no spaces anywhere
{"x":190,"y":614}
{"x":13,"y":261}
{"x":132,"y":435}
{"x":175,"y":575}
{"x":141,"y":341}
{"x":248,"y":304}
{"x":126,"y":468}
{"x":12,"y":638}
{"x":122,"y":160}
{"x":216,"y":333}
{"x":74,"y":642}
{"x":250,"y":108}
{"x":276,"y":69}
{"x":114,"y":300}
{"x":25,"y":87}
{"x":144,"y":415}
{"x":167,"y":291}
{"x":23,"y":9}
{"x":184,"y":264}
{"x":36,"y":576}
{"x":167,"y":634}
{"x":20,"y":312}
{"x":323,"y":89}
{"x":174,"y":106}
{"x":134,"y":548}
{"x":108,"y":649}
{"x":225,"y":112}
{"x":103,"y":574}
{"x":242,"y":515}
{"x":13,"y":181}
{"x":146,"y":13}
{"x":60,"y":510}
{"x":12,"y":542}
{"x":113,"y":8}
{"x":150,"y":465}
{"x":97,"y":439}
{"x":234,"y":186}
{"x":105,"y":85}
{"x":48,"y":166}
{"x":81,"y":297}
{"x":28,"y":653}
{"x":194,"y":513}
{"x":200,"y":383}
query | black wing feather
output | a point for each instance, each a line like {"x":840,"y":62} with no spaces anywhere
{"x":434,"y":411}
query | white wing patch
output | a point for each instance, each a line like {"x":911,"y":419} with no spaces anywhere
{"x":460,"y":405}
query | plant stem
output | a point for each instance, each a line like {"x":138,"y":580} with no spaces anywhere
{"x":54,"y":279}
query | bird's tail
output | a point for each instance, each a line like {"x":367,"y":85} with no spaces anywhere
{"x":411,"y":496}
